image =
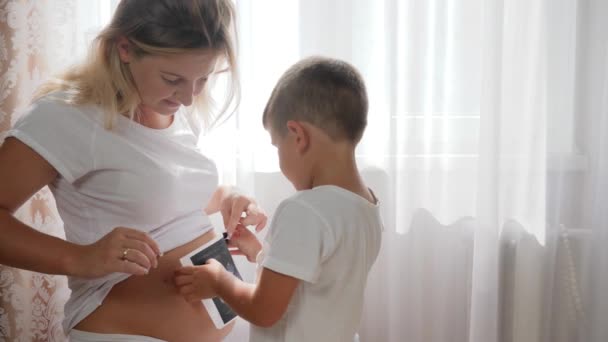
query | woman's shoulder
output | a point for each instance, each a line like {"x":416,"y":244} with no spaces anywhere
{"x":59,"y":107}
{"x":61,"y":100}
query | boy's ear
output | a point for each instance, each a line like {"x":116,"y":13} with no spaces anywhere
{"x":300,"y":135}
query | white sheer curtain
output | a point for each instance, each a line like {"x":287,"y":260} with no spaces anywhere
{"x":592,"y":121}
{"x":38,"y":38}
{"x":486,"y":143}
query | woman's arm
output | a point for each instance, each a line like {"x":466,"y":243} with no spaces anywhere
{"x":220,"y":194}
{"x":22,"y":173}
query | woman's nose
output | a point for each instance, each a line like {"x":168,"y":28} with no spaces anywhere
{"x":185,"y":94}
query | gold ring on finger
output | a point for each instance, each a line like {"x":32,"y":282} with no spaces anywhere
{"x":124,"y":254}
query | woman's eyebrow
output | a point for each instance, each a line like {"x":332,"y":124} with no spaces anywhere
{"x":172,"y":73}
{"x":180,"y":76}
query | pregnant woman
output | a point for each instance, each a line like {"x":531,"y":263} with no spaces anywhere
{"x":115,"y":140}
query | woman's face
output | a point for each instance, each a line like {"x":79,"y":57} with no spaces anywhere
{"x":165,"y":83}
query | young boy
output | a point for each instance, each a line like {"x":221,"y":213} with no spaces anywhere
{"x":324,"y":239}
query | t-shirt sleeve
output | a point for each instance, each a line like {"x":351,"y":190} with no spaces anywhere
{"x":62,"y":134}
{"x":298,"y":242}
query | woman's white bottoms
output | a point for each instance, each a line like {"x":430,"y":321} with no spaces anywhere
{"x":85,"y":336}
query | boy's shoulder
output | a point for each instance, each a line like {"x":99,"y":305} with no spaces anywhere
{"x":314,"y":196}
{"x":327,"y":199}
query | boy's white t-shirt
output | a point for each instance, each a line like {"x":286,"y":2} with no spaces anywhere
{"x":328,"y":238}
{"x":153,"y":180}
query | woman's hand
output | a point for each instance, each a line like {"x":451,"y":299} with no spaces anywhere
{"x":123,"y":250}
{"x":245,"y":242}
{"x":233,"y":205}
{"x":195,"y":283}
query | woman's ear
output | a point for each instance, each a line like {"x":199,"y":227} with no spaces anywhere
{"x":300,"y":135}
{"x":125,"y":53}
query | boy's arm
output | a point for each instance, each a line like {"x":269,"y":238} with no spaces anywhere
{"x":262,"y":304}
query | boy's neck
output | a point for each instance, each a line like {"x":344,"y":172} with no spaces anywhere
{"x":338,"y":167}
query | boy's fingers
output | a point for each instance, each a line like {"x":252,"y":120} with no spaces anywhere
{"x":183,"y":280}
{"x":230,"y":243}
{"x":240,"y":230}
{"x":212,"y":261}
{"x":236,"y":252}
{"x":186,"y":290}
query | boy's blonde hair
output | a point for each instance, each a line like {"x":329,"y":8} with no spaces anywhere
{"x":327,"y":93}
{"x":159,"y":27}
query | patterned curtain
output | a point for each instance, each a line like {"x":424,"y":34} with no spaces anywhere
{"x":37,"y":39}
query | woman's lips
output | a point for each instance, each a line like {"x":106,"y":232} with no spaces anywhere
{"x":171,"y":103}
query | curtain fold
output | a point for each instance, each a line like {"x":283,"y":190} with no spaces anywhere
{"x":474,"y":117}
{"x":591,"y":305}
{"x":31,"y":304}
{"x":38,"y":39}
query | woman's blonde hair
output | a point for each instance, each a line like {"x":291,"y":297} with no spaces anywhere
{"x":159,"y":27}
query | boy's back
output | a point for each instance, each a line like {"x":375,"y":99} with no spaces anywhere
{"x":328,"y":238}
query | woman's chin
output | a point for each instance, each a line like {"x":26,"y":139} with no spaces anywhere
{"x":167,"y":110}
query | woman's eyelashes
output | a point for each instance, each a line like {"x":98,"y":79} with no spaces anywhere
{"x":174,"y":81}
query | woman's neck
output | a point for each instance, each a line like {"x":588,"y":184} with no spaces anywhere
{"x":151,"y":119}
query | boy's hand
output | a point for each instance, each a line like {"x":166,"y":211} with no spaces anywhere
{"x":196,"y":283}
{"x":245,"y":242}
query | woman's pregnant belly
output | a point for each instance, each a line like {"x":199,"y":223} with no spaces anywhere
{"x":151,"y":306}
